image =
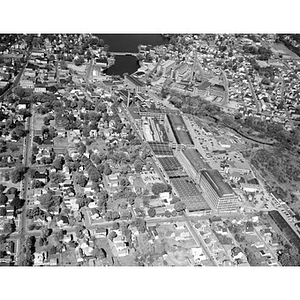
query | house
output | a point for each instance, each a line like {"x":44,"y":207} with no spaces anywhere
{"x":100,"y":232}
{"x":40,"y":258}
{"x":111,"y":182}
{"x":179,"y":225}
{"x":258,"y":244}
{"x":236,"y":253}
{"x":198,"y":255}
{"x":62,"y":221}
{"x":53,"y":262}
{"x":40,"y":88}
{"x":41,"y":177}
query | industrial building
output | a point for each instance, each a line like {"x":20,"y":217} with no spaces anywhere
{"x":217,"y":191}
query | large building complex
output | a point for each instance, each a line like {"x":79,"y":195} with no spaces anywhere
{"x":177,"y":130}
{"x":217,"y":191}
{"x":193,"y":162}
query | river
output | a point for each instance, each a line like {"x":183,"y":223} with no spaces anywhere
{"x":128,"y":43}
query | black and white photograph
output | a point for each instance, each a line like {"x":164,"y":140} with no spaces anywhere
{"x":129,"y":148}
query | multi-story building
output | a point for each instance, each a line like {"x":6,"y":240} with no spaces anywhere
{"x":134,"y":84}
{"x":167,"y":67}
{"x":217,"y":191}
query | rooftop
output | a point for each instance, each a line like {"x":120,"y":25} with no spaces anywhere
{"x":217,"y":182}
{"x":135,"y":81}
{"x":189,"y":194}
{"x":180,"y":130}
{"x":196,"y":159}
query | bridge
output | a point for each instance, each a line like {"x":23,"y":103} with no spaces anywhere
{"x":124,"y":53}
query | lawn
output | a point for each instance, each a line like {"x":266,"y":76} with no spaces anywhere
{"x":38,"y":121}
{"x":104,"y":244}
{"x":60,"y":142}
{"x":8,"y":184}
{"x":69,"y":258}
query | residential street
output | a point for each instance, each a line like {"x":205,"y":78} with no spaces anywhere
{"x":23,"y":194}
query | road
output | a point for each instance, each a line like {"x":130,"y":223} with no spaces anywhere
{"x":258,"y":103}
{"x":18,"y":77}
{"x":88,"y":72}
{"x":24,"y":191}
{"x":265,"y":244}
{"x":225,"y":101}
{"x":200,"y":242}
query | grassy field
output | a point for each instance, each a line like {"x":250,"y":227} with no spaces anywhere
{"x":281,"y":171}
{"x":281,"y":48}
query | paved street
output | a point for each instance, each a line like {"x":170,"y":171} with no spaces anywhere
{"x":24,"y":191}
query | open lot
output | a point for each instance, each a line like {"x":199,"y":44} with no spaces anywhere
{"x":60,"y":142}
{"x":38,"y":121}
{"x":281,"y":48}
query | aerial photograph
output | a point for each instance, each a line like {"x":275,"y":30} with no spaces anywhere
{"x":131,"y":150}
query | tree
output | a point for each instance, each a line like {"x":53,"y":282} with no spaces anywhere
{"x":36,"y":184}
{"x":126,"y":214}
{"x":3,"y":146}
{"x":138,"y":165}
{"x":37,"y":139}
{"x":58,"y":163}
{"x":99,"y":253}
{"x":107,"y":170}
{"x":17,"y":202}
{"x":32,"y":172}
{"x":19,"y":91}
{"x":2,"y":211}
{"x":18,"y":174}
{"x":95,"y":186}
{"x":79,"y":61}
{"x":140,"y":225}
{"x":81,"y":148}
{"x":46,"y":232}
{"x":124,"y":182}
{"x":158,"y":188}
{"x":174,"y":213}
{"x":3,"y":199}
{"x":41,"y":242}
{"x":8,"y":228}
{"x":168,"y":214}
{"x":152,"y":212}
{"x":49,"y":201}
{"x":180,"y":206}
{"x":80,"y":179}
{"x":2,"y":239}
{"x":94,"y":174}
{"x":59,"y":235}
{"x":12,"y":190}
{"x":52,"y":250}
{"x":115,"y":215}
{"x":57,"y":177}
{"x":2,"y":188}
{"x":112,"y":235}
{"x":115,"y":226}
{"x":19,"y":132}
